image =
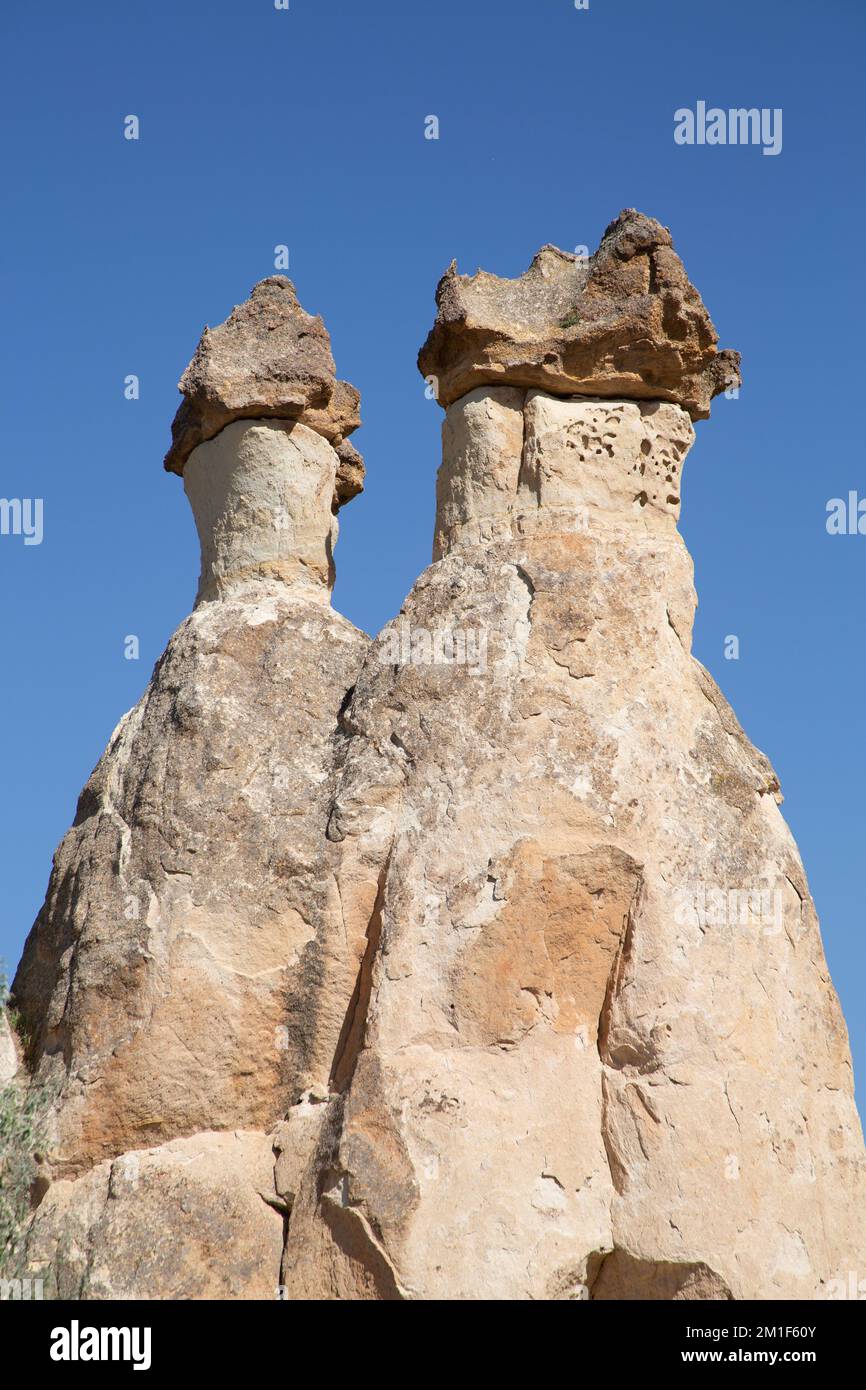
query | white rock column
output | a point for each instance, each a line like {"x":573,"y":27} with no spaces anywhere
{"x":261,"y":493}
{"x":516,"y":463}
{"x":476,"y":488}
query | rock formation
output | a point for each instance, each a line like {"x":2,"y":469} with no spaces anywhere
{"x":510,"y":885}
{"x":270,"y":359}
{"x":178,"y":981}
{"x":625,"y":322}
{"x":602,"y":1052}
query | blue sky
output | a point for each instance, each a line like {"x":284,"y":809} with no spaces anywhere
{"x":306,"y":127}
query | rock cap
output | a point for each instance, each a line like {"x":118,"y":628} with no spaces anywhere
{"x":625,"y":322}
{"x":269,"y":359}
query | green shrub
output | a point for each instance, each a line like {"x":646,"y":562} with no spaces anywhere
{"x":23,"y":1122}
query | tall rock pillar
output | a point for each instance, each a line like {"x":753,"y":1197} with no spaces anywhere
{"x":178,"y":982}
{"x":597,"y":1052}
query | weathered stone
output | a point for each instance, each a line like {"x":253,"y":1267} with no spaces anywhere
{"x":567,"y":1077}
{"x":350,"y":474}
{"x":270,"y":359}
{"x":261,"y":493}
{"x":626,"y":322}
{"x":339,"y":418}
{"x":478,"y":482}
{"x":191,"y":968}
{"x":194,"y":1219}
{"x":495,"y":923}
{"x":191,"y":897}
{"x":294,"y":1141}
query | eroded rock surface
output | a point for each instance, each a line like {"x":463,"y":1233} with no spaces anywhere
{"x":192,"y":965}
{"x":600,"y":1055}
{"x":194,"y":1219}
{"x":480,"y":958}
{"x":626,"y":322}
{"x":261,"y":493}
{"x":185,"y":899}
{"x":269,"y":359}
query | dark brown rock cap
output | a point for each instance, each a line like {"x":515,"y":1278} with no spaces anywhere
{"x":270,"y":359}
{"x":624,"y":322}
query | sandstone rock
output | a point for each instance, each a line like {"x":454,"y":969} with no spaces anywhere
{"x":270,"y":359}
{"x":598,"y":1053}
{"x":350,"y":474}
{"x":192,"y":894}
{"x":261,"y":493}
{"x":627,"y":322}
{"x":490,"y":934}
{"x":193,"y":1219}
{"x":192,"y":967}
{"x":339,"y":418}
{"x":294,"y":1142}
{"x":482,"y":452}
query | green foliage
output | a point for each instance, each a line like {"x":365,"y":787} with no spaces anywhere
{"x":23,"y":1120}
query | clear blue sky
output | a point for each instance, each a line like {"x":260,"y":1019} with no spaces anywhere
{"x":306,"y":127}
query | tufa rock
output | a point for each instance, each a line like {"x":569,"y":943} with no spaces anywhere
{"x":270,"y":359}
{"x":190,"y":969}
{"x":197,"y":1218}
{"x":626,"y":322}
{"x":595,"y":1050}
{"x":163,"y":983}
{"x":478,"y":961}
{"x":262,"y":493}
{"x":350,"y":474}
